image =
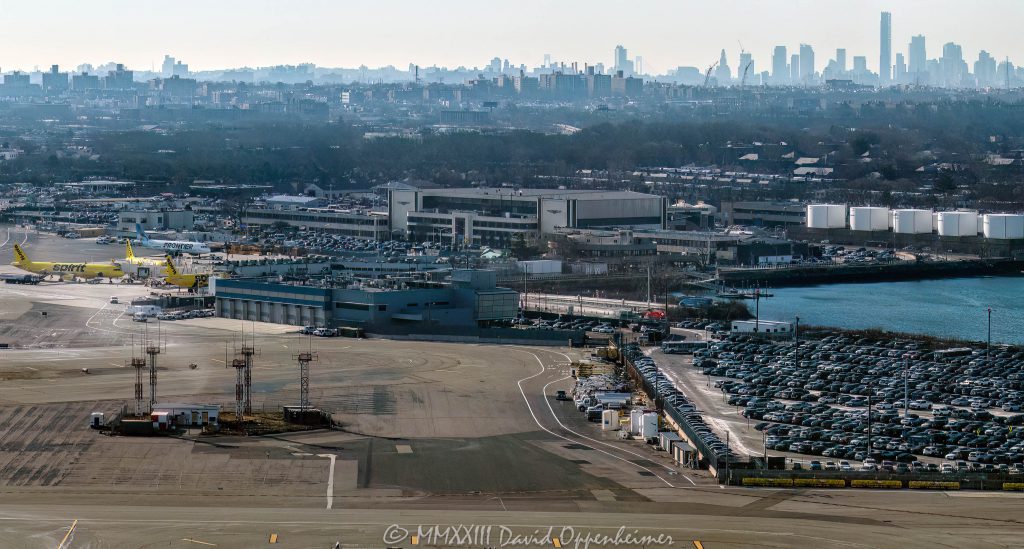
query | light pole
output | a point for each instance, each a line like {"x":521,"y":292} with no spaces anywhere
{"x":764,"y":444}
{"x":906,"y":388}
{"x":870,"y":390}
{"x":757,"y":310}
{"x":796,"y":332}
{"x":988,"y":349}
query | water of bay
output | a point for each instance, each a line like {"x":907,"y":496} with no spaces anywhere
{"x":954,"y":307}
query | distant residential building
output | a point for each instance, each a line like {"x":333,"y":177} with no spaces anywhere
{"x":83,"y":82}
{"x":55,"y":81}
{"x":119,"y":79}
{"x":627,"y":85}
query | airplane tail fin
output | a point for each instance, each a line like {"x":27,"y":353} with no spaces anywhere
{"x":19,"y":255}
{"x":141,"y":233}
{"x":129,"y":253}
{"x":170,"y":267}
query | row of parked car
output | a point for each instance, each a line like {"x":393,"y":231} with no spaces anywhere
{"x":319,"y":332}
{"x":671,"y":396}
{"x":184,"y":315}
{"x":812,"y":397}
{"x":596,"y":326}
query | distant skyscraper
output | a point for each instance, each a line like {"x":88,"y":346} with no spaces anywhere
{"x":952,"y":65}
{"x":885,"y":50}
{"x":723,"y":73}
{"x":746,"y":67}
{"x":901,"y":69}
{"x":841,"y":59}
{"x":780,"y":70}
{"x":621,"y":59}
{"x":639,"y":65}
{"x":860,"y":65}
{"x":794,"y":68}
{"x":917,"y":62}
{"x":806,"y":64}
{"x":985,"y":70}
{"x":167,"y":67}
{"x":547,"y":58}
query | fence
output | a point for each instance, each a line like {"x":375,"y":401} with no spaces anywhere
{"x":874,"y":479}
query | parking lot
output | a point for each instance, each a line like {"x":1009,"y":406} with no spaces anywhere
{"x":811,"y":398}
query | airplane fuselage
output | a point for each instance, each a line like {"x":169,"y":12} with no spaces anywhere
{"x":84,"y":270}
{"x":175,"y":246}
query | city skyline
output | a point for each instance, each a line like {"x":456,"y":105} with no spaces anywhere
{"x":350,"y":35}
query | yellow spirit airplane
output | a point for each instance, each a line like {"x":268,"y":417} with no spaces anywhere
{"x":133,"y":260}
{"x":190,"y":281}
{"x":66,"y":270}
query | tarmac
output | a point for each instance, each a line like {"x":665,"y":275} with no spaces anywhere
{"x":433,"y":434}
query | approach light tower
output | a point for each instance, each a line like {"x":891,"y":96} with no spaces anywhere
{"x":139,"y":364}
{"x":247,"y":353}
{"x":152,"y":351}
{"x":239,"y":365}
{"x":304,"y":359}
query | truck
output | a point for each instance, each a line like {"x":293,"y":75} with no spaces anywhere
{"x":21,"y":278}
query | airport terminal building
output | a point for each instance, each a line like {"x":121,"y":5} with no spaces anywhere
{"x":470,"y":300}
{"x":492,"y":217}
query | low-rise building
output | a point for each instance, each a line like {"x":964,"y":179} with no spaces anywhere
{"x":469,"y":301}
{"x":367,"y":225}
{"x":764,"y":214}
{"x":769,"y":327}
{"x":494,"y":217}
{"x":155,"y":220}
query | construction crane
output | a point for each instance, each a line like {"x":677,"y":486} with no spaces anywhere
{"x":707,"y":73}
{"x":743,"y":80}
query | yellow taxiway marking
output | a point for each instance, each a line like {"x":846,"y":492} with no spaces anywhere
{"x":66,"y":536}
{"x":190,"y":540}
{"x":697,"y":544}
{"x":273,"y":538}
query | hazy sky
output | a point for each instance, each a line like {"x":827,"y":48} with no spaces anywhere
{"x":211,"y":34}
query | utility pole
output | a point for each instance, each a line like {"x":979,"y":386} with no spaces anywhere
{"x":796,"y":331}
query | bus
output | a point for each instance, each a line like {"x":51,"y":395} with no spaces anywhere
{"x":682,"y":347}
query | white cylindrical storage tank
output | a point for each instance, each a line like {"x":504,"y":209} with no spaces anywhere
{"x":636,"y":418}
{"x":1003,"y":226}
{"x":958,"y":223}
{"x":935,"y":221}
{"x":868,"y":218}
{"x":912,"y":221}
{"x":649,"y":427}
{"x":609,"y":420}
{"x":826,"y":216}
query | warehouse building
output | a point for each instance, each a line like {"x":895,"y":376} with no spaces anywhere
{"x":470,"y":300}
{"x":493,"y":217}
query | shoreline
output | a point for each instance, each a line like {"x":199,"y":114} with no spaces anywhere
{"x":903,"y":271}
